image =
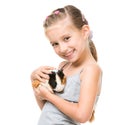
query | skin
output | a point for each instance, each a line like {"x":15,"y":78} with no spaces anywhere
{"x":71,"y":44}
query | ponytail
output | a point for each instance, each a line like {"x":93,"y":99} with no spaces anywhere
{"x":92,"y":117}
{"x":93,"y":50}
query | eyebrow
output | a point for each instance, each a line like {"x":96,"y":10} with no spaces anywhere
{"x":51,"y":42}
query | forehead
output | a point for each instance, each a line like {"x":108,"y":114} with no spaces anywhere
{"x":63,"y":24}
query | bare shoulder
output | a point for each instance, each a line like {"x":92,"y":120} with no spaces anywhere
{"x":92,"y":72}
{"x":93,"y":68}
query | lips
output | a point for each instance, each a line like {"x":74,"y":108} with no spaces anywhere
{"x":69,"y":54}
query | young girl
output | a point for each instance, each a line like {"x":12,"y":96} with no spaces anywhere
{"x":69,"y":34}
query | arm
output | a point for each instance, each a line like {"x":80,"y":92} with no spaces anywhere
{"x":82,"y":110}
{"x":38,"y":98}
{"x":40,"y":75}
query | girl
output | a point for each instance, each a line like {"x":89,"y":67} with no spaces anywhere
{"x":69,"y":34}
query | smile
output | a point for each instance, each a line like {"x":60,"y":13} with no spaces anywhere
{"x":69,"y":54}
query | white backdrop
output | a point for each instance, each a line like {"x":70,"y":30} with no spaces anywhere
{"x":23,"y":47}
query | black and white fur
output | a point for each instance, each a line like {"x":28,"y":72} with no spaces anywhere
{"x":57,"y":81}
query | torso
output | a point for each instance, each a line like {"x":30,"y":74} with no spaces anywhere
{"x":51,"y":115}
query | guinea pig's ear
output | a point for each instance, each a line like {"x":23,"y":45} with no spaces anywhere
{"x":64,"y":80}
{"x":60,"y":74}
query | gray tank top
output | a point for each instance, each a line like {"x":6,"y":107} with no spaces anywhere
{"x":50,"y":115}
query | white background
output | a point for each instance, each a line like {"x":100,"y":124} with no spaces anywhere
{"x":23,"y":48}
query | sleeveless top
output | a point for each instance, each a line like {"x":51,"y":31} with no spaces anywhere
{"x":50,"y":115}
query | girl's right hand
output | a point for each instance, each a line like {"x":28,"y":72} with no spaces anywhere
{"x":41,"y":73}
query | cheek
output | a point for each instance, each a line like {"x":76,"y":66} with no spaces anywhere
{"x":81,"y":48}
{"x":56,"y":50}
{"x":80,"y":42}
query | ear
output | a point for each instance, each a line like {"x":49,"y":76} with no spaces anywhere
{"x":85,"y":31}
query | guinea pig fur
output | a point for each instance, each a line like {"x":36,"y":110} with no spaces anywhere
{"x":56,"y":82}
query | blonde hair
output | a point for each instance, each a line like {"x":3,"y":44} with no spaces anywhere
{"x":78,"y":20}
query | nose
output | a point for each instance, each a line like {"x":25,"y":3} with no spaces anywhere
{"x":63,"y":47}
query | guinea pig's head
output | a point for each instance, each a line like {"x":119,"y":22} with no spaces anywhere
{"x":57,"y":80}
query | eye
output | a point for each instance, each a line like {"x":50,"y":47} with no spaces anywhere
{"x":54,"y":44}
{"x":67,"y":38}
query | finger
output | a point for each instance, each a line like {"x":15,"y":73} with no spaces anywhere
{"x":48,"y":67}
{"x":47,"y":70}
{"x":39,"y":76}
{"x":41,"y":73}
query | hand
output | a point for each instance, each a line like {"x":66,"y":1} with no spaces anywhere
{"x":42,"y":92}
{"x":41,"y":73}
{"x":37,"y":93}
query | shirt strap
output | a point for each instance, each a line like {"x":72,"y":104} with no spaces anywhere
{"x":62,"y":68}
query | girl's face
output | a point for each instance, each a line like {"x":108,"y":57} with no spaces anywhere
{"x":68,"y":42}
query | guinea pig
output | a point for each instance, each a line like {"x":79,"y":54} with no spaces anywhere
{"x":56,"y":82}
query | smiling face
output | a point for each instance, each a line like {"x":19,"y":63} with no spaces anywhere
{"x":69,"y":42}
